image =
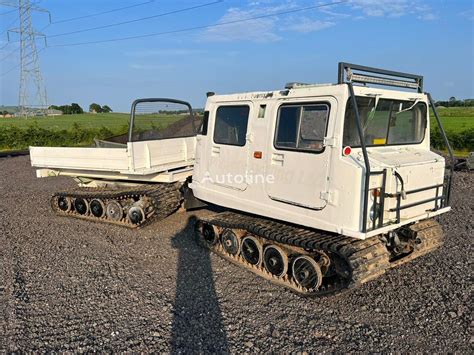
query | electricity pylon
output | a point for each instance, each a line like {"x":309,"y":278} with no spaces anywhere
{"x":32,"y":98}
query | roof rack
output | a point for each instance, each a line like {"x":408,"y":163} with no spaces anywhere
{"x":296,"y":85}
{"x":358,"y":74}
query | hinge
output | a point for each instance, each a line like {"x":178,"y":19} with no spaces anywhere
{"x":331,"y":197}
{"x":325,"y":195}
{"x":330,"y":141}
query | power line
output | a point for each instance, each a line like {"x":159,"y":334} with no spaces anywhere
{"x":104,"y":12}
{"x":136,"y":20}
{"x":9,"y":54}
{"x":7,"y":12}
{"x":18,"y":9}
{"x":201,"y":27}
{"x":19,"y":65}
{"x":11,"y":24}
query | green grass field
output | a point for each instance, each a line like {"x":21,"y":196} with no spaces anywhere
{"x":116,"y":122}
{"x":455,"y":120}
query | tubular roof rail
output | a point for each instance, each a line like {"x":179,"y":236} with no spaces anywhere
{"x":355,"y":73}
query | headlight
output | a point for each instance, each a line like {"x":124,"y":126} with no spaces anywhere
{"x":374,"y":212}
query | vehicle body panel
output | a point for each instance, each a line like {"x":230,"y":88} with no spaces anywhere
{"x":337,"y":186}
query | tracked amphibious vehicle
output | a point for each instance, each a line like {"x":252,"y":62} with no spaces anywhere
{"x":348,"y":187}
{"x":131,"y":179}
{"x":325,"y":186}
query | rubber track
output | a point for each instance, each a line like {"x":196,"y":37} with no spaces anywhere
{"x":367,"y":259}
{"x":432,"y":236}
{"x":164,"y":199}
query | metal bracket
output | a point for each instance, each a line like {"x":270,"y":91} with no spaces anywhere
{"x":330,"y":141}
{"x":325,"y":196}
{"x":354,"y":73}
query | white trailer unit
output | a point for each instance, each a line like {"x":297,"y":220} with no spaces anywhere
{"x":134,"y":178}
{"x":168,"y":160}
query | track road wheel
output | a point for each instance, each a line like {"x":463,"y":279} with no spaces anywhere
{"x":230,"y":242}
{"x":251,"y":250}
{"x":64,"y":203}
{"x":306,"y":272}
{"x":114,"y":211}
{"x":136,"y":215}
{"x":205,"y":234}
{"x":275,"y":261}
{"x":81,"y":206}
{"x":97,"y":208}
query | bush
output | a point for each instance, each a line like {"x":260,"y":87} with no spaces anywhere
{"x":463,"y":140}
{"x":13,"y":138}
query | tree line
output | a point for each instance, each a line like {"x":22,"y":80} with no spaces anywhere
{"x":453,"y":102}
{"x":76,"y":109}
{"x":96,"y":108}
{"x":72,"y":109}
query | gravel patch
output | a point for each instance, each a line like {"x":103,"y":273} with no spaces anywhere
{"x":68,"y":284}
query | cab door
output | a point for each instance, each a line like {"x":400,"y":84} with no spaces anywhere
{"x":298,"y":163}
{"x":230,"y":145}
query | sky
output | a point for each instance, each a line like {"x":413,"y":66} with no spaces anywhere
{"x":434,"y":38}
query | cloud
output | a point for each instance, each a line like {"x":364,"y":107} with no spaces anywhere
{"x":333,"y":14}
{"x":469,"y":14}
{"x":151,"y":66}
{"x":307,"y":25}
{"x":257,"y":30}
{"x":264,"y":28}
{"x":378,"y":8}
{"x":394,"y":8}
{"x":164,"y":52}
{"x":428,"y":17}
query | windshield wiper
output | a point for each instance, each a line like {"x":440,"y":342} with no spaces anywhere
{"x":409,"y":108}
{"x":371,"y":114}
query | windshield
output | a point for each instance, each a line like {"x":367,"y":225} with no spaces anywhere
{"x":385,"y":121}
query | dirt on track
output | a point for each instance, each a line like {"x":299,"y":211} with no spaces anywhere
{"x":68,"y":284}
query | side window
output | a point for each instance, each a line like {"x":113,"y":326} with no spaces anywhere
{"x":302,"y":127}
{"x":231,"y":125}
{"x":205,"y":121}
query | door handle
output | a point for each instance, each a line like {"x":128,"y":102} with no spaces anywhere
{"x":278,"y":159}
{"x":215,"y":150}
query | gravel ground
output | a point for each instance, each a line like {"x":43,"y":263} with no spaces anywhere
{"x":67,"y":284}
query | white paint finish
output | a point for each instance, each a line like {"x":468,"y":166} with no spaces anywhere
{"x":340,"y":178}
{"x":148,"y":161}
{"x":158,"y":153}
{"x":101,"y":159}
{"x":228,"y":164}
{"x":166,"y":176}
{"x":300,"y":177}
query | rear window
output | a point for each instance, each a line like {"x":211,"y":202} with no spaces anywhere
{"x":231,"y":125}
{"x":301,"y":127}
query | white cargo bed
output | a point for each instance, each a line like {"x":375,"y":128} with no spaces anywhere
{"x":164,"y":160}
